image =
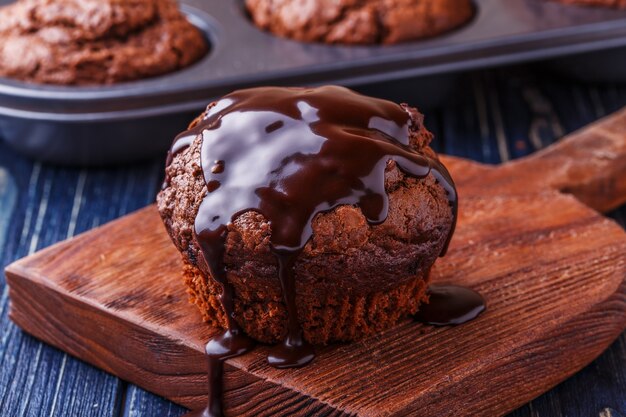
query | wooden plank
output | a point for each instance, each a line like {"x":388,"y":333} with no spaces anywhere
{"x":553,"y":272}
{"x":28,"y":365}
{"x":37,"y":379}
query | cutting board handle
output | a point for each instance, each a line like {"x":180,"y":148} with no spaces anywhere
{"x":589,"y":164}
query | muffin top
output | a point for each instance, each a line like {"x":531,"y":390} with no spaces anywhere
{"x":347,"y":182}
{"x":82,"y":42}
{"x":359,"y":21}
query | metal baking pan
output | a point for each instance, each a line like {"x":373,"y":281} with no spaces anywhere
{"x":606,"y":65}
{"x":101,"y":125}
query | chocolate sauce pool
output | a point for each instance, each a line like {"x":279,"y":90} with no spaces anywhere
{"x":450,"y":305}
{"x":289,"y":154}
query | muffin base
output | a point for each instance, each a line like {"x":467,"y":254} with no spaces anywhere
{"x":324,"y":316}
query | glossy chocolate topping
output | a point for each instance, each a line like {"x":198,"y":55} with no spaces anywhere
{"x":290,"y":154}
{"x":450,"y":305}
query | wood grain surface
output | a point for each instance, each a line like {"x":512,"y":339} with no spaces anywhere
{"x":552,"y":270}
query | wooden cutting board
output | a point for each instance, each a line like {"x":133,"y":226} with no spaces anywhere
{"x":529,"y":238}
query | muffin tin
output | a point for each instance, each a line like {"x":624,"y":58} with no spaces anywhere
{"x":101,"y":125}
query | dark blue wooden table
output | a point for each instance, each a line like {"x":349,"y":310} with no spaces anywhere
{"x":493,"y":116}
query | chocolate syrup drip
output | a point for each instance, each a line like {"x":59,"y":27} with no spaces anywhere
{"x":450,"y":305}
{"x":221,"y":347}
{"x":294,"y":351}
{"x":290,"y":154}
{"x":228,"y":344}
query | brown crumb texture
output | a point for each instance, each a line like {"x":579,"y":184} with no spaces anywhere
{"x":359,"y":21}
{"x":87,"y":42}
{"x":324,"y":317}
{"x":352,"y":278}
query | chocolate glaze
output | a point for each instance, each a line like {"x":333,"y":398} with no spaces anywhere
{"x":290,"y":154}
{"x":294,"y":351}
{"x":450,"y":305}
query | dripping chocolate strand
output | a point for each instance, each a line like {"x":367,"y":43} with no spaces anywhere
{"x":442,"y":176}
{"x":229,"y":343}
{"x":294,"y":351}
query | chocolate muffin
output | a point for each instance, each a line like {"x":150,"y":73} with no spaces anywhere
{"x":354,"y":273}
{"x":82,"y":42}
{"x":359,"y":22}
{"x":620,"y":4}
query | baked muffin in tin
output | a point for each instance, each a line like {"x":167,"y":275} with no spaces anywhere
{"x":95,"y":42}
{"x":359,"y":22}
